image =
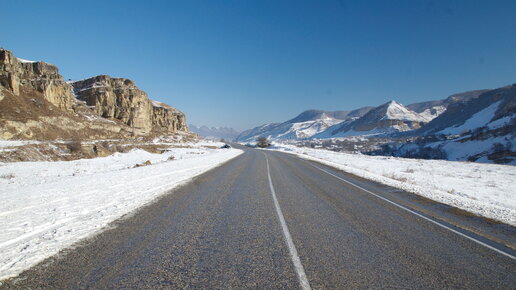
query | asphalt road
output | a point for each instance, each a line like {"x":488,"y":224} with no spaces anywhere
{"x":271,"y":220}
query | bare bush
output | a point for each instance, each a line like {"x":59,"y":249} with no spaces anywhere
{"x":75,"y":146}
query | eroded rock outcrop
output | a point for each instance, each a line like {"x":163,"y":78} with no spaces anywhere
{"x":39,"y":76}
{"x":36,"y":103}
{"x":121,"y":99}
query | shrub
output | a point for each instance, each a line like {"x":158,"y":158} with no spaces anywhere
{"x":262,"y":142}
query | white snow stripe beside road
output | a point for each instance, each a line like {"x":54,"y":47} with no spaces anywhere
{"x":300,"y":270}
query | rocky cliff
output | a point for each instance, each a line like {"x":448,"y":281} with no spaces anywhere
{"x":121,"y":99}
{"x":38,"y":76}
{"x":36,"y":103}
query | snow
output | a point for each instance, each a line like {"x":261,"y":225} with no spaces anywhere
{"x":49,"y":206}
{"x":159,"y":104}
{"x":478,"y":120}
{"x":16,"y":143}
{"x":396,"y":111}
{"x":96,"y":85}
{"x":289,"y":131}
{"x":501,"y":122}
{"x":456,"y":150}
{"x":432,"y":113}
{"x":484,"y":189}
{"x":370,"y":133}
{"x":25,"y":61}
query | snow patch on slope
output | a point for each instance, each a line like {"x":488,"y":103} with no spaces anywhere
{"x":478,"y":120}
{"x":25,"y":60}
{"x":432,"y":113}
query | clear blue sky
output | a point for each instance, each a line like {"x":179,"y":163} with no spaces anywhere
{"x":244,"y":63}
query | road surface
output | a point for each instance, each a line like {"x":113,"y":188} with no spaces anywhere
{"x":272,"y":220}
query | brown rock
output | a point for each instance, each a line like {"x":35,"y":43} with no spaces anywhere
{"x":121,"y":99}
{"x":39,"y":76}
{"x":35,"y":103}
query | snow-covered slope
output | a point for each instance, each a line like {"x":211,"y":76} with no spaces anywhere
{"x":396,"y":111}
{"x":475,"y":113}
{"x":432,"y":109}
{"x":303,"y":126}
{"x":432,"y":113}
{"x":481,"y":129}
{"x":388,"y":118}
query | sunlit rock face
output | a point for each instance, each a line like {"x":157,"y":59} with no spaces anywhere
{"x":121,"y":99}
{"x":38,"y":76}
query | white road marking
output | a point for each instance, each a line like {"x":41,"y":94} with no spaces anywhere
{"x":419,"y":215}
{"x":303,"y":280}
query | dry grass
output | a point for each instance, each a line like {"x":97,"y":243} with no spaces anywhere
{"x":7,"y":176}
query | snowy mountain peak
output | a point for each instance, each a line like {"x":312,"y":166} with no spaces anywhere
{"x":396,"y":111}
{"x":305,"y":125}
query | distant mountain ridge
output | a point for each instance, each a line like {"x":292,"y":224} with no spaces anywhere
{"x":305,"y":125}
{"x":477,"y":125}
{"x":387,"y":118}
{"x":215,"y":132}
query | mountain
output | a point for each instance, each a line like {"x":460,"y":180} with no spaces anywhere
{"x":476,"y":126}
{"x":481,"y":129}
{"x":303,"y":126}
{"x":432,"y":109}
{"x":36,"y":103}
{"x":390,"y":117}
{"x":474,"y":113}
{"x":215,"y":132}
{"x":455,"y":98}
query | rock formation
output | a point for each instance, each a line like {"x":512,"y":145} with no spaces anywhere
{"x":121,"y":99}
{"x":36,"y":103}
{"x":39,"y":76}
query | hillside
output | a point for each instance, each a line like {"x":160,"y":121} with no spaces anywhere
{"x":388,"y":118}
{"x":481,"y":129}
{"x":470,"y":126}
{"x":37,"y":104}
{"x":306,"y":125}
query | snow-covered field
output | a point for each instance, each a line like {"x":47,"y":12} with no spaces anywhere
{"x":48,"y":206}
{"x":485,"y":189}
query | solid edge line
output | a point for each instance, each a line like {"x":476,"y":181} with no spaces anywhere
{"x":420,"y":215}
{"x":303,"y":280}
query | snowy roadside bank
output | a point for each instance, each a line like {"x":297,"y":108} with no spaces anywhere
{"x":484,"y":189}
{"x":48,"y":206}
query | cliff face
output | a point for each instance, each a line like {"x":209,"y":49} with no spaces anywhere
{"x":167,"y":118}
{"x":38,"y":76}
{"x":36,"y":103}
{"x":121,"y":99}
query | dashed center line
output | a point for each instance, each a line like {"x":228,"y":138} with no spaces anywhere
{"x":303,"y":280}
